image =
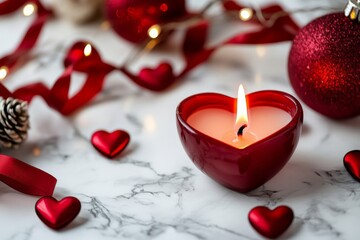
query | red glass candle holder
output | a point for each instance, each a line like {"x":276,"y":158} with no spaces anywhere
{"x":240,"y":169}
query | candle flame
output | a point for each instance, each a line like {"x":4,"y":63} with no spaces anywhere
{"x":241,"y":109}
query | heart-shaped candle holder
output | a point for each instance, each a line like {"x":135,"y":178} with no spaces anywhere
{"x":240,"y":169}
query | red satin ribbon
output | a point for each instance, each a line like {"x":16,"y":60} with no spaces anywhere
{"x":25,"y":178}
{"x":57,"y":97}
{"x":194,"y":52}
{"x":284,"y":29}
{"x":31,"y":36}
{"x":10,"y":6}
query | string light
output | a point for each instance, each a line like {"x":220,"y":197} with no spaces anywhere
{"x":260,"y":51}
{"x":105,"y":25}
{"x":246,"y":14}
{"x":36,"y":151}
{"x":269,"y":20}
{"x":29,"y":9}
{"x":3,"y":72}
{"x":149,"y":124}
{"x":87,"y":50}
{"x":154,"y":31}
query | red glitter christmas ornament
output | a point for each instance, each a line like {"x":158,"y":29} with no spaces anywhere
{"x":324,"y":66}
{"x":131,"y":19}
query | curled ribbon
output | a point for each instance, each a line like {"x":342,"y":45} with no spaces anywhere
{"x":25,"y":178}
{"x":30,"y":38}
{"x":157,"y":79}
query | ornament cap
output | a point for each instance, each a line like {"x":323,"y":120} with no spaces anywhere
{"x":352,"y":10}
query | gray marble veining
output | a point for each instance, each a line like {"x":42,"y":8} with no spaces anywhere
{"x":152,"y":190}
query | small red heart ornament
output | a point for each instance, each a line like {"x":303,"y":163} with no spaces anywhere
{"x":57,"y":214}
{"x":110,"y":144}
{"x":157,"y":78}
{"x":271,"y":223}
{"x":352,"y":164}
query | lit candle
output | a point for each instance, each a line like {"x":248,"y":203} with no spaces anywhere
{"x":240,"y":144}
{"x":235,"y":128}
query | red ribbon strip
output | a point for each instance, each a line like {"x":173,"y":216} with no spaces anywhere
{"x":10,"y":6}
{"x":10,"y":61}
{"x":284,"y":29}
{"x":157,"y":79}
{"x":25,"y":178}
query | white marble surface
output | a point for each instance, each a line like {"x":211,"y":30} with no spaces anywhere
{"x":152,"y":190}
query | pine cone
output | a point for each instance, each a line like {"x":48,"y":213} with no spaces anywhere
{"x":14,"y":122}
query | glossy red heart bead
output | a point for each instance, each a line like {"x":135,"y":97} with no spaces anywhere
{"x":157,"y":78}
{"x":352,"y":164}
{"x":110,"y":144}
{"x":271,"y":223}
{"x":57,"y":214}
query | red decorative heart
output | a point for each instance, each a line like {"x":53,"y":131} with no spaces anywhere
{"x":57,"y":214}
{"x":110,"y":144}
{"x":157,"y":79}
{"x":271,"y":223}
{"x":352,"y":164}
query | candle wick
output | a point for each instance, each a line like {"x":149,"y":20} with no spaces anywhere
{"x":241,"y":130}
